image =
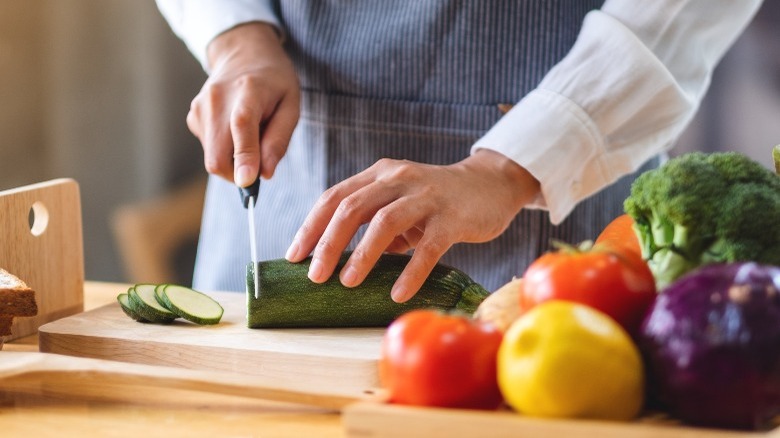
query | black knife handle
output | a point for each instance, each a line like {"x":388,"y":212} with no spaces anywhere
{"x":252,"y":191}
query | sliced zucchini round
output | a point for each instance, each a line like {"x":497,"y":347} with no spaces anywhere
{"x":158,"y":294}
{"x":141,"y":297}
{"x":127,"y":307}
{"x":191,"y":305}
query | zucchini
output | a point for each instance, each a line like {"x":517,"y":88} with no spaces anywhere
{"x":163,"y":303}
{"x":287,"y":298}
{"x":189,"y":304}
{"x":142,"y":299}
{"x":127,"y":307}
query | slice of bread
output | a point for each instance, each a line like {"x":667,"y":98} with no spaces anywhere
{"x":16,"y":298}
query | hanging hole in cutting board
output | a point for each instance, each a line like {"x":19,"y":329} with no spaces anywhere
{"x":38,"y":218}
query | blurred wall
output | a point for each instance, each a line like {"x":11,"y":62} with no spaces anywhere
{"x":741,"y":111}
{"x":96,"y":90}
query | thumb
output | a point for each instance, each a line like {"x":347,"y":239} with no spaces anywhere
{"x":245,"y":129}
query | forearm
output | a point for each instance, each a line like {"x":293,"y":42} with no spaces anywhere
{"x":624,"y":93}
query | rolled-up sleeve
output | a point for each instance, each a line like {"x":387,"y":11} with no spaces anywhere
{"x":198,"y":22}
{"x":623,"y":94}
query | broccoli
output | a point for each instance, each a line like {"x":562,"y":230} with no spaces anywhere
{"x":703,"y":208}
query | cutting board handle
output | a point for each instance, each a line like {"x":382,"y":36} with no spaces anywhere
{"x":53,"y":371}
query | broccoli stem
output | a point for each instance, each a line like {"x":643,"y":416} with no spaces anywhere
{"x":667,"y":265}
{"x":680,"y":236}
{"x":776,"y":158}
{"x":662,"y":230}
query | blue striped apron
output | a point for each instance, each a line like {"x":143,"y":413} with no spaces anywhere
{"x":418,"y":80}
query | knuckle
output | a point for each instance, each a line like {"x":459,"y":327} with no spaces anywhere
{"x":348,"y":208}
{"x":359,"y":257}
{"x":306,"y":229}
{"x":432,"y":248}
{"x":242,"y":117}
{"x":213,"y":165}
{"x":384,"y":163}
{"x":386,"y":219}
{"x":247,"y":82}
{"x":329,"y":197}
{"x":244,"y":155}
{"x":325,"y":245}
{"x":212,"y":98}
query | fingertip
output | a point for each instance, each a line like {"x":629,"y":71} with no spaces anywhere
{"x":399,"y":294}
{"x":269,"y":167}
{"x":315,"y":271}
{"x":292,"y":252}
{"x":244,"y":175}
{"x":349,"y":276}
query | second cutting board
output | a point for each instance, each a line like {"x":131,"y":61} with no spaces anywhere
{"x":339,"y":358}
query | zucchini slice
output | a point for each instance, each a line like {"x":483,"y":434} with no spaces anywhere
{"x":190,"y":304}
{"x":158,"y":295}
{"x":127,"y":307}
{"x":143,"y":301}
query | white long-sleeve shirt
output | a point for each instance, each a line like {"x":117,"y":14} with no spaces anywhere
{"x":624,"y":93}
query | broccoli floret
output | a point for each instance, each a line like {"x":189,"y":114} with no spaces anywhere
{"x":705,"y":208}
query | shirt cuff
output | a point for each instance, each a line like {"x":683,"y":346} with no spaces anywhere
{"x":197,"y":23}
{"x":556,"y":121}
{"x":599,"y":114}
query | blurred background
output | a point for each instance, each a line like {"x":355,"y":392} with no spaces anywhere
{"x":98,"y":91}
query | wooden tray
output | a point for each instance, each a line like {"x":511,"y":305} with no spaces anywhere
{"x":342,"y":358}
{"x":376,"y":420}
{"x":47,"y":253}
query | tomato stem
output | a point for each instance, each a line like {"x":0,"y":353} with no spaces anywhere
{"x":568,"y":248}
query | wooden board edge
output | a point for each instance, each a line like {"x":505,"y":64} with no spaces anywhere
{"x":27,"y":325}
{"x":376,"y":420}
{"x":40,"y":185}
{"x":361,"y":374}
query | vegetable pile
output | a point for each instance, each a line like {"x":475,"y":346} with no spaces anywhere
{"x":675,"y":308}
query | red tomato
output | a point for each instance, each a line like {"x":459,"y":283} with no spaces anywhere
{"x":615,"y":281}
{"x":620,"y":234}
{"x":444,"y":360}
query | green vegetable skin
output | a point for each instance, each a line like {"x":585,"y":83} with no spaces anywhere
{"x":776,"y":158}
{"x":702,"y":208}
{"x":288,"y":298}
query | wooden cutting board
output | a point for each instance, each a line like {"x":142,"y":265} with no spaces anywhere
{"x":345,"y":358}
{"x":377,"y":420}
{"x":41,"y":243}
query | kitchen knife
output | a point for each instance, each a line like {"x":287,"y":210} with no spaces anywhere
{"x":249,"y":199}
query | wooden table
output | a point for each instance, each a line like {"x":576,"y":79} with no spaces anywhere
{"x":101,"y":410}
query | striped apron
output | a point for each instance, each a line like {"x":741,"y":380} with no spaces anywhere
{"x":418,"y":80}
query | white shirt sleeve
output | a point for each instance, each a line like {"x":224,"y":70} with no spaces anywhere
{"x":623,"y":94}
{"x":197,"y":22}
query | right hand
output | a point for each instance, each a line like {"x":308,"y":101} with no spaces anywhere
{"x":246,"y":111}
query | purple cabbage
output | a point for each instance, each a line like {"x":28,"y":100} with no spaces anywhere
{"x":711,"y":342}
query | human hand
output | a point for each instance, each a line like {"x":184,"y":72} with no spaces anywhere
{"x":411,"y":205}
{"x":246,"y":111}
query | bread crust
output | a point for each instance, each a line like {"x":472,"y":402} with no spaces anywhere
{"x":5,"y":324}
{"x":16,"y":298}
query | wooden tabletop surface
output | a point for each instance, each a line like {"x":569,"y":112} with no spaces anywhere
{"x":29,"y":410}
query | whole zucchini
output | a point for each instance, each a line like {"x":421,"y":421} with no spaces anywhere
{"x":287,"y":298}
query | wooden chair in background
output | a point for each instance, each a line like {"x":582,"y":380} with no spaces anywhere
{"x":151,"y":234}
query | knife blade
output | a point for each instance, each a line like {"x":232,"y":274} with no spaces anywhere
{"x":249,"y":197}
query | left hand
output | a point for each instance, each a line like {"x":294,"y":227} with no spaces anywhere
{"x":411,"y":205}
